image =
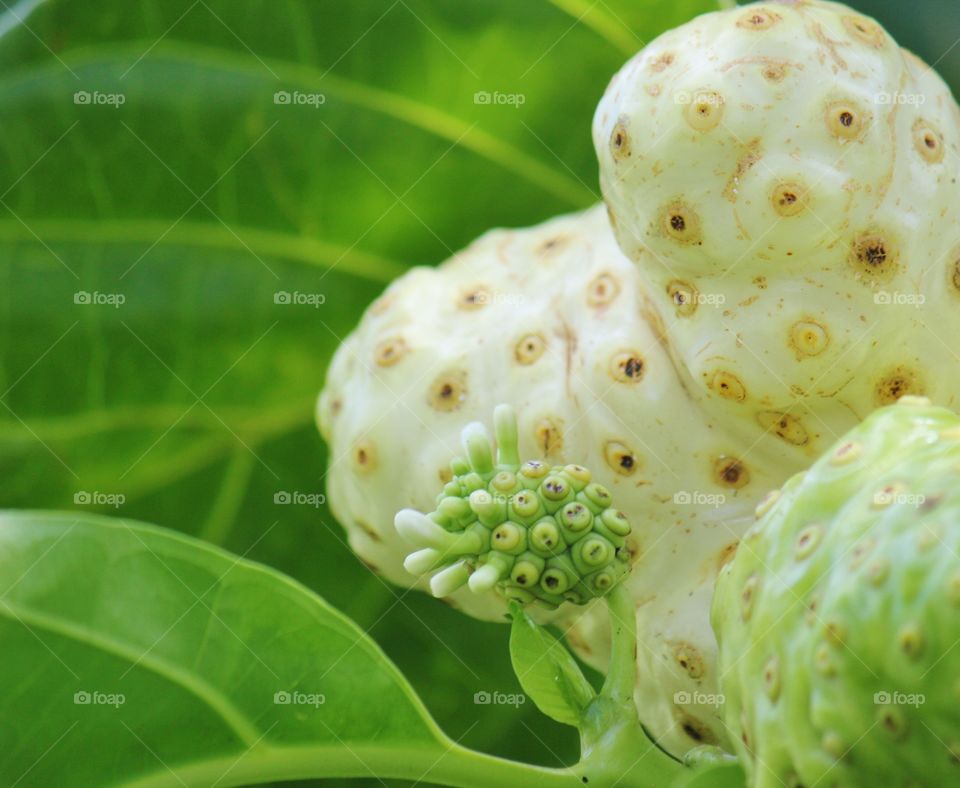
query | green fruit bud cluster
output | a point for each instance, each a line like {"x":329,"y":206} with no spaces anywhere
{"x":839,"y":617}
{"x":532,"y":531}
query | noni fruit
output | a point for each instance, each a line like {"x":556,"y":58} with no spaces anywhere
{"x":555,"y":321}
{"x":839,"y":616}
{"x":787,"y":179}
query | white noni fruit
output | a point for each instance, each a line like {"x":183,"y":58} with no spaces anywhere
{"x":555,"y":321}
{"x":786,"y":178}
{"x":783,"y":181}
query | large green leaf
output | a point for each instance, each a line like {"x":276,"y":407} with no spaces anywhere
{"x":199,"y":198}
{"x":135,"y":656}
{"x":140,"y":655}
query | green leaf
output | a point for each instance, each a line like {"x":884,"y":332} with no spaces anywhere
{"x":547,"y":671}
{"x":147,"y":656}
{"x":136,"y":656}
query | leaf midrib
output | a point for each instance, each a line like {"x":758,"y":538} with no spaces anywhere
{"x":243,"y":727}
{"x":264,"y":243}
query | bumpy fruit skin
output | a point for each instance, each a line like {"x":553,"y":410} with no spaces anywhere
{"x":534,"y":533}
{"x":787,"y":179}
{"x":553,"y":320}
{"x":839,"y":616}
{"x":768,"y":235}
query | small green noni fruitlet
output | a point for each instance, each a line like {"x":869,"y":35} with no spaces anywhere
{"x":534,"y":532}
{"x":839,"y":616}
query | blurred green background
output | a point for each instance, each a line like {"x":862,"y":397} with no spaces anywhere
{"x":195,"y":198}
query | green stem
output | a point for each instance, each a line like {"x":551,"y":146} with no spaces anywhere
{"x":445,"y":763}
{"x":615,"y":747}
{"x":622,"y":671}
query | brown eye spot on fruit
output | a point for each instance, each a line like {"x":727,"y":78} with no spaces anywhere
{"x":705,"y":110}
{"x":529,"y":349}
{"x":620,"y":140}
{"x":874,"y":256}
{"x":808,"y":338}
{"x":865,"y":31}
{"x":774,"y":73}
{"x":548,"y":435}
{"x":681,"y":223}
{"x":846,"y":121}
{"x":627,"y":367}
{"x":899,"y":382}
{"x":955,"y":271}
{"x":390,"y":351}
{"x":928,"y":141}
{"x":448,"y":391}
{"x":807,"y":541}
{"x":553,"y":245}
{"x":620,"y":458}
{"x":695,"y":729}
{"x":758,"y":19}
{"x":892,"y":721}
{"x":771,"y":678}
{"x":847,"y":453}
{"x":784,"y":426}
{"x":747,"y":595}
{"x":684,"y":297}
{"x":603,"y":290}
{"x":474,"y":298}
{"x":726,"y":554}
{"x":911,"y":641}
{"x":730,"y":472}
{"x":789,"y":199}
{"x":689,"y":659}
{"x":726,"y":385}
{"x":364,"y":457}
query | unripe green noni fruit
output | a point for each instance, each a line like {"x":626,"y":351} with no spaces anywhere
{"x":787,"y":180}
{"x":839,"y":616}
{"x":533,"y":532}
